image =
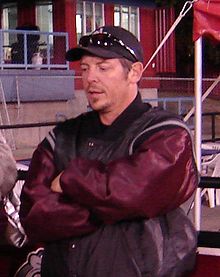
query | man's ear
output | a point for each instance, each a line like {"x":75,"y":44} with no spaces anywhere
{"x":136,"y":71}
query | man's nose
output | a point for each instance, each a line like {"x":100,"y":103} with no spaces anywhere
{"x":91,"y":75}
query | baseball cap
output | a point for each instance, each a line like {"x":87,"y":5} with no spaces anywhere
{"x":108,"y":42}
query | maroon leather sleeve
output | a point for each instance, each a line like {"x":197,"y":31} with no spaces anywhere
{"x":46,"y":215}
{"x":157,"y":178}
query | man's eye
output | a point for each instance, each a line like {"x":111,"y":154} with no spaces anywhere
{"x":103,"y":68}
{"x":84,"y":68}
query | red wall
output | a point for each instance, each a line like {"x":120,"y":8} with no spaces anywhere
{"x":147,"y":37}
{"x":26,"y":13}
{"x":172,"y":43}
{"x":148,"y":42}
{"x":64,"y":18}
{"x":109,"y":14}
{"x":63,"y":21}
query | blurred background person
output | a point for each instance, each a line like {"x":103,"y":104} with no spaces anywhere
{"x":8,"y":171}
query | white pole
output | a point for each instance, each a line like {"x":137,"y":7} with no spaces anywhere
{"x":198,"y":123}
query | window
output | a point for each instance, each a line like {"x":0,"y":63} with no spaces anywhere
{"x":9,"y":16}
{"x":128,"y":18}
{"x":9,"y":21}
{"x":44,"y":20}
{"x":89,"y":16}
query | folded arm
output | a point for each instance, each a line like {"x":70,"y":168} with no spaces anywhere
{"x":157,"y":178}
{"x":47,"y":215}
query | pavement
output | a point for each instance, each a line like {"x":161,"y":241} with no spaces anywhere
{"x":210,"y":218}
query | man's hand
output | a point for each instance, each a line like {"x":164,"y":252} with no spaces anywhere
{"x":55,"y":185}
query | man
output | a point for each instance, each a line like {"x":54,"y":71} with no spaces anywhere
{"x":104,"y":189}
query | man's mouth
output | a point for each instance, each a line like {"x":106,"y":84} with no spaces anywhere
{"x":94,"y":92}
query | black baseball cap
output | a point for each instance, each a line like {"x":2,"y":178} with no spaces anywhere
{"x":108,"y":42}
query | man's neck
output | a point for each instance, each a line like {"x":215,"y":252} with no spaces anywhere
{"x":108,"y":117}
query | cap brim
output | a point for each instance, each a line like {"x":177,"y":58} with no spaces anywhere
{"x":75,"y":54}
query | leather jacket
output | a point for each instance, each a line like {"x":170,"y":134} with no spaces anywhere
{"x":118,"y":214}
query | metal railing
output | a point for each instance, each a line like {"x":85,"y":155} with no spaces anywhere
{"x":21,"y":49}
{"x":24,"y":89}
{"x":179,"y":105}
{"x":180,"y":86}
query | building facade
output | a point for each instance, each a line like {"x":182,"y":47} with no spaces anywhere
{"x":78,"y":17}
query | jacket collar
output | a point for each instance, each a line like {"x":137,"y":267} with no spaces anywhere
{"x":130,"y":114}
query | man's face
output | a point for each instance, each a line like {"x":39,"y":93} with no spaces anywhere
{"x":106,"y":84}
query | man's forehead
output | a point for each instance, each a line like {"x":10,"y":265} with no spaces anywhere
{"x":95,"y":59}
